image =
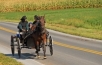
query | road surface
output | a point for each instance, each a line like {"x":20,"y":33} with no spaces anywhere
{"x":68,"y":49}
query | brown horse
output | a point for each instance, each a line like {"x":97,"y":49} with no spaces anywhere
{"x":39,"y":35}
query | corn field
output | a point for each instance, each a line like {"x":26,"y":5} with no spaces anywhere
{"x":31,"y":5}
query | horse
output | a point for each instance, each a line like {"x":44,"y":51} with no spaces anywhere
{"x":39,"y":35}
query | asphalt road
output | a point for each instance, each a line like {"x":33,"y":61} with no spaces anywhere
{"x":68,"y":49}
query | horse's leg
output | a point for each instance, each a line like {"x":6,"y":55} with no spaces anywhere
{"x":35,"y":45}
{"x":39,"y":45}
{"x":37,"y":49}
{"x":44,"y":48}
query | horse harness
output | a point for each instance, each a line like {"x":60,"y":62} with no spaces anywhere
{"x":39,"y":28}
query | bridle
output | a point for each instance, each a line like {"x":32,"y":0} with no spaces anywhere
{"x":39,"y":26}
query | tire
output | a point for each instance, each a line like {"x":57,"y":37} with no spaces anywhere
{"x":12,"y":50}
{"x":19,"y":47}
{"x":19,"y":52}
{"x":12,"y":46}
{"x":51,"y":45}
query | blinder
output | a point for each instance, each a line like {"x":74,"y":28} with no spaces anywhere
{"x":39,"y":27}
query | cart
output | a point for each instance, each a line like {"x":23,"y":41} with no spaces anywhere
{"x":27,"y":43}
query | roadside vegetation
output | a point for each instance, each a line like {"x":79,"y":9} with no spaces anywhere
{"x":86,"y":22}
{"x":5,"y":60}
{"x":32,"y":5}
{"x":77,"y":17}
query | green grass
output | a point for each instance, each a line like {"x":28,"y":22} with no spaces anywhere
{"x":85,"y":22}
{"x":5,"y":60}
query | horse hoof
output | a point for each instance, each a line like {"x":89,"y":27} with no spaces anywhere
{"x":38,"y":56}
{"x":45,"y":57}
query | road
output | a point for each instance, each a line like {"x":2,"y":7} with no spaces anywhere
{"x":68,"y":49}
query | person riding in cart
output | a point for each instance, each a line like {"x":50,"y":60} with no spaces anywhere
{"x":35,"y":19}
{"x":23,"y":26}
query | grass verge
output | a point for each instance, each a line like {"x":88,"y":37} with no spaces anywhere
{"x":86,"y":22}
{"x":5,"y":60}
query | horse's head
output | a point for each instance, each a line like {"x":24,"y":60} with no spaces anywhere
{"x":40,"y":23}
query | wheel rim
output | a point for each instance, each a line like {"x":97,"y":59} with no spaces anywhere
{"x":19,"y":47}
{"x":50,"y":45}
{"x":12,"y":45}
{"x":51,"y":50}
{"x":19,"y":53}
{"x":12,"y":49}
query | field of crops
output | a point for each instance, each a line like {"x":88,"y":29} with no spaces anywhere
{"x":31,"y":5}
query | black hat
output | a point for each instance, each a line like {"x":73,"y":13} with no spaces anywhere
{"x":37,"y":17}
{"x":23,"y":18}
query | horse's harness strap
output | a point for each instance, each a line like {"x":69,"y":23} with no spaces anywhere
{"x":37,"y":22}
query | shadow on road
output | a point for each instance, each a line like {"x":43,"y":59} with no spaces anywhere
{"x":26,"y":56}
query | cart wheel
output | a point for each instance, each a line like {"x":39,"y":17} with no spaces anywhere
{"x":19,"y":52}
{"x":13,"y":49}
{"x":12,"y":46}
{"x":50,"y":45}
{"x":19,"y":47}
